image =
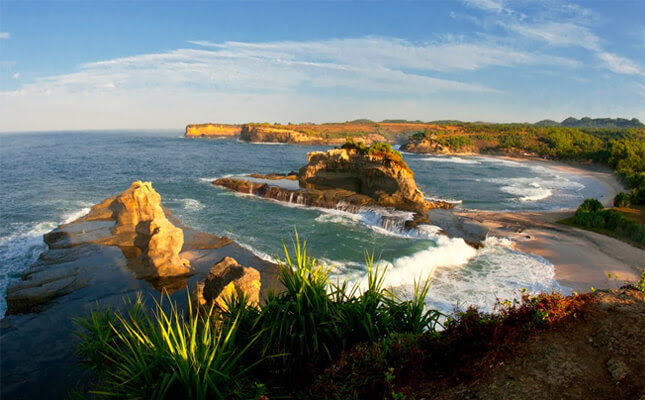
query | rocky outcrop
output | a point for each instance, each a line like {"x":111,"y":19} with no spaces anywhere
{"x":212,"y":130}
{"x":425,"y":146}
{"x":132,"y":221}
{"x":227,"y":280}
{"x":87,"y":265}
{"x":382,"y":176}
{"x":282,"y":134}
{"x":346,"y":179}
{"x":329,"y":198}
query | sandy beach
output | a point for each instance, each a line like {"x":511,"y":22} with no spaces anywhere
{"x":582,"y":259}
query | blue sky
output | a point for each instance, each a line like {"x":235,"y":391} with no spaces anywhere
{"x":144,"y":64}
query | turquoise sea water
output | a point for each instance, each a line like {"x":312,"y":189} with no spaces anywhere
{"x":50,"y":178}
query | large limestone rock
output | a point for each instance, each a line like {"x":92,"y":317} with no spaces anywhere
{"x":132,"y":221}
{"x":228,"y":279}
{"x":385,"y":179}
{"x":138,"y":213}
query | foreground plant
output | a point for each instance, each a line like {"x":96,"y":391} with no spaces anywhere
{"x":159,"y":354}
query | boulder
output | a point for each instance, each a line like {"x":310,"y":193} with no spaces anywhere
{"x":139,"y":217}
{"x":227,"y":279}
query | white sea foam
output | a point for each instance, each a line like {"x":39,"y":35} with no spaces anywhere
{"x":537,"y":188}
{"x":462,"y":276}
{"x":74,"y":215}
{"x":450,"y":159}
{"x":22,"y":247}
{"x":262,"y":255}
{"x":502,"y":161}
{"x":432,"y":198}
{"x":532,"y":192}
{"x":192,"y":204}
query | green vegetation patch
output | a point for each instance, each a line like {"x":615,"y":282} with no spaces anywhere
{"x":380,"y":149}
{"x":591,"y":215}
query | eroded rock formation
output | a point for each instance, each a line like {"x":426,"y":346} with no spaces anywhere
{"x":226,"y":280}
{"x":132,"y":221}
{"x":426,"y":145}
{"x":385,"y":179}
{"x":346,"y":179}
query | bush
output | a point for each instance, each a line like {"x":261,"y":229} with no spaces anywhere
{"x":622,"y":199}
{"x":590,"y":205}
{"x":590,"y":214}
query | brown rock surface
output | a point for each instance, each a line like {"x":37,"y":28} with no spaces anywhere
{"x":346,"y":179}
{"x":225,"y":280}
{"x":387,"y":181}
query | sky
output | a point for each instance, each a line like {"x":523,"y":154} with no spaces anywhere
{"x":146,"y":65}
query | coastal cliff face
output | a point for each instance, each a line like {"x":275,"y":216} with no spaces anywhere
{"x":271,"y":134}
{"x":212,"y":130}
{"x":389,"y":182}
{"x":426,"y":146}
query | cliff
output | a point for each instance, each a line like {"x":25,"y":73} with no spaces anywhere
{"x":314,"y":134}
{"x":212,"y":130}
{"x":282,"y":134}
{"x":426,"y":146}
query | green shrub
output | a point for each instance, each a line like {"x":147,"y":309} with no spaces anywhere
{"x":590,"y":205}
{"x":622,"y":199}
{"x":590,"y":214}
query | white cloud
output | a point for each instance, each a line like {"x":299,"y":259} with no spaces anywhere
{"x":557,"y":23}
{"x":488,"y":5}
{"x":16,"y":75}
{"x":365,"y":65}
{"x":558,"y":34}
{"x":620,"y":65}
{"x":5,"y":35}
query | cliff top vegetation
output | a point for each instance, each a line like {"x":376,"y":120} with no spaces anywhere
{"x":379,"y":149}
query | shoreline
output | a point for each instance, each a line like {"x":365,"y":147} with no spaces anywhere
{"x":581,"y":259}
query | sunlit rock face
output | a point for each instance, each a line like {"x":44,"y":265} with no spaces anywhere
{"x":388,"y":181}
{"x":281,"y":134}
{"x":228,"y":280}
{"x":133,"y":221}
{"x":212,"y":130}
{"x":140,"y":218}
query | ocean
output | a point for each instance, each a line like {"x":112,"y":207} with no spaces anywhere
{"x":55,"y":177}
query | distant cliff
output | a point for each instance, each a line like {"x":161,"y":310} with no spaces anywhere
{"x":313,"y":134}
{"x":285,"y":134}
{"x":212,"y":130}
